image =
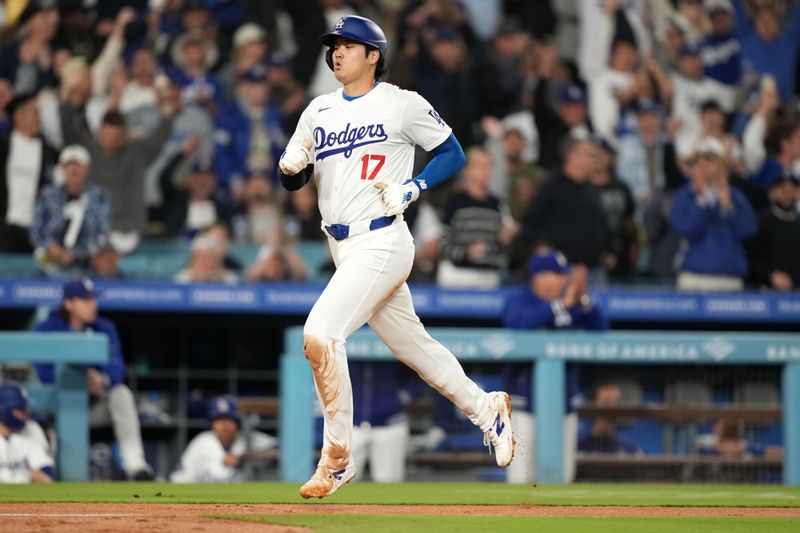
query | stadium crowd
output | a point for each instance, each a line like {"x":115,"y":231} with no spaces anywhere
{"x":650,"y":140}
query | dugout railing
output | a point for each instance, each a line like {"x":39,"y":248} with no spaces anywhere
{"x":549,"y":352}
{"x":67,"y":400}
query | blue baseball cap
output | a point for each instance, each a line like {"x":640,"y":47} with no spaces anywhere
{"x":776,"y":176}
{"x":82,"y":288}
{"x":571,"y":94}
{"x":548,"y":262}
{"x":225,"y":406}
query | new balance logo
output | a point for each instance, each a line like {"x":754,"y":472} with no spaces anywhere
{"x":338,"y":475}
{"x":499,"y":426}
{"x":406,"y":197}
{"x":321,"y":109}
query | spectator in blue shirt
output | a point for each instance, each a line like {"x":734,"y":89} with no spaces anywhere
{"x":249,"y":135}
{"x":111,"y":400}
{"x":194,"y":55}
{"x":721,"y":50}
{"x":556,"y":298}
{"x":769,"y":43}
{"x":714,"y":220}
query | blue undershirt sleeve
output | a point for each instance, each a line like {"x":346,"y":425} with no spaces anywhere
{"x":448,"y":158}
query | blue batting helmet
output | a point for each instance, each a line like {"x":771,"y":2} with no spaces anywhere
{"x":224,"y":407}
{"x":12,"y":397}
{"x":355,"y":28}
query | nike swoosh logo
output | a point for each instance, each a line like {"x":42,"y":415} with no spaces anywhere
{"x":321,"y":109}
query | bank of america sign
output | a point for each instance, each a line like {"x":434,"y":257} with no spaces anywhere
{"x":622,"y":351}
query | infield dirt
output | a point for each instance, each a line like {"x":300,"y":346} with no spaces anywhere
{"x":195,"y":518}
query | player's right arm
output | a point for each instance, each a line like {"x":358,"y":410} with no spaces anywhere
{"x":296,"y":164}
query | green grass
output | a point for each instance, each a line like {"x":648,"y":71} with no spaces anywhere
{"x":452,"y":493}
{"x":417,"y":493}
{"x":322,"y":523}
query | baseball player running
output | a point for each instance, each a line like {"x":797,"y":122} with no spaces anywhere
{"x":358,"y":145}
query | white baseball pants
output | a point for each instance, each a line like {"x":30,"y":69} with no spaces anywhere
{"x":369,"y":286}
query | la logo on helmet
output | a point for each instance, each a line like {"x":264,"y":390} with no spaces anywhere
{"x":339,"y":24}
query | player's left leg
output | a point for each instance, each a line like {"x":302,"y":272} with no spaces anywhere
{"x":369,"y":267}
{"x":398,"y":326}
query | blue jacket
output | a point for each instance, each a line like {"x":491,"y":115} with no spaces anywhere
{"x":715,"y":238}
{"x":114,"y":368}
{"x":232,"y":142}
{"x":525,"y":310}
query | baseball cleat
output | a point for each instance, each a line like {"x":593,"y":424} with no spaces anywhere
{"x":326,"y":481}
{"x":500,"y":437}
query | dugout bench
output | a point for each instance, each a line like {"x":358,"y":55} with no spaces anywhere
{"x":67,"y":399}
{"x":549,"y":352}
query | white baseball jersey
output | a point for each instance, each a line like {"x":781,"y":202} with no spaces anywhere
{"x":688,"y":99}
{"x":18,"y":456}
{"x":361,"y":142}
{"x":202,"y":460}
{"x":34,"y":432}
